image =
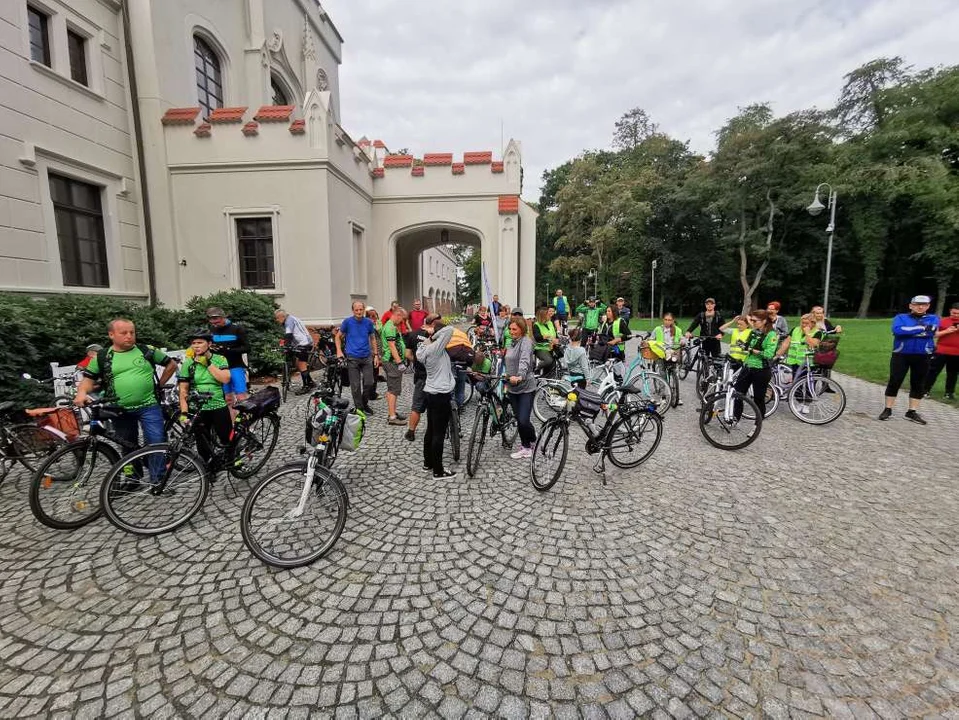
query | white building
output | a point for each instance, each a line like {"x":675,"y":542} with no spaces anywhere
{"x":173,"y":148}
{"x":437,"y":274}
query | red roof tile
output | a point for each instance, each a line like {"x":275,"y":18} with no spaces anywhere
{"x":274,"y":113}
{"x":417,"y":171}
{"x":459,"y":168}
{"x":227,"y":115}
{"x":478,"y":158}
{"x":508,"y":204}
{"x":379,"y":144}
{"x":379,"y":172}
{"x":251,"y":128}
{"x":202,"y":130}
{"x":496,"y":167}
{"x":298,"y":127}
{"x":391,"y":161}
{"x":438,"y":159}
{"x":180,"y":116}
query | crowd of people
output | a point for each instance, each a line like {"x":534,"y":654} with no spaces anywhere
{"x":437,"y":355}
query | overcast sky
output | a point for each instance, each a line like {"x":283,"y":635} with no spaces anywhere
{"x":442,"y":75}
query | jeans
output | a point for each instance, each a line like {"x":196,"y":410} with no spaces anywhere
{"x":150,"y":418}
{"x":523,"y":407}
{"x":438,"y":411}
{"x":362,"y":380}
{"x":459,"y":389}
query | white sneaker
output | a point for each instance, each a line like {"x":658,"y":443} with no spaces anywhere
{"x":522,"y":454}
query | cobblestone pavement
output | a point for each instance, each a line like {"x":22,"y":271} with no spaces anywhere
{"x":815,"y":573}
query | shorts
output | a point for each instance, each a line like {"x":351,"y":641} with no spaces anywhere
{"x":394,"y":378}
{"x":237,"y":384}
{"x":419,"y":397}
{"x":302,"y":353}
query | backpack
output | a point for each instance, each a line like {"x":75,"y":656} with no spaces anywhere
{"x":459,"y":348}
{"x":105,"y":366}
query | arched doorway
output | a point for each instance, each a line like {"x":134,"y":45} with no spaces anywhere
{"x":421,"y":265}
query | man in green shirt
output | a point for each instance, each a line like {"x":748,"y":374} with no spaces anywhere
{"x":394,"y":355}
{"x":206,"y":373}
{"x":125,"y":372}
{"x":592,"y":312}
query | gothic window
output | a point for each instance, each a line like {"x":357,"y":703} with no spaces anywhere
{"x":209,"y":80}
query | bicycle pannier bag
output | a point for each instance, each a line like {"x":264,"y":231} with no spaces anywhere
{"x":589,"y":403}
{"x":260,"y":404}
{"x":599,"y":352}
{"x":61,"y":419}
{"x":354,"y":424}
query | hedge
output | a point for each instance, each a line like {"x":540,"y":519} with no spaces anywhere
{"x":39,"y":330}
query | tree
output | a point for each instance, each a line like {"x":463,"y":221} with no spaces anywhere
{"x":632,"y":128}
{"x":860,"y":108}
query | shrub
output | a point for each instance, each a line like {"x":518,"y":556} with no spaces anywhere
{"x":41,"y":330}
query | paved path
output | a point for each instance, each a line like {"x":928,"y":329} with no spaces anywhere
{"x":815,"y":573}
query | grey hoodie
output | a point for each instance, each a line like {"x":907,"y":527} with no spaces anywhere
{"x":433,"y":355}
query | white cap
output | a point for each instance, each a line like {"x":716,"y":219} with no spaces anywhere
{"x":921,"y":300}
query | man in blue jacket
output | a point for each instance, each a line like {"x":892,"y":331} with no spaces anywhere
{"x":913,"y":344}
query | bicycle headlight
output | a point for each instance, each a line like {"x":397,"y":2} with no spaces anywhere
{"x":572,"y":397}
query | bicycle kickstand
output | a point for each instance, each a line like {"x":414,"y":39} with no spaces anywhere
{"x":600,"y":467}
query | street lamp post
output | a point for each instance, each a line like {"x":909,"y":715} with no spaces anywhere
{"x":816,"y":207}
{"x":652,"y":293}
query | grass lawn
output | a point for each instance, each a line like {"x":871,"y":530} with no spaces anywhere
{"x":863,"y":351}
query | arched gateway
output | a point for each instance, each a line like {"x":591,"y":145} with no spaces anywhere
{"x":293,"y":207}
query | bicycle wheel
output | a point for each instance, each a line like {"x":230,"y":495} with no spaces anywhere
{"x":507,"y":426}
{"x":477,"y":439}
{"x":335,"y":380}
{"x":549,"y":454}
{"x":549,"y":399}
{"x":65,"y":489}
{"x":816,"y":400}
{"x":130,"y":494}
{"x":673,"y":377}
{"x":634,"y":438}
{"x":32,"y":443}
{"x":467,"y":392}
{"x":772,"y":403}
{"x":706,"y":375}
{"x":453,"y":434}
{"x":721,"y":429}
{"x":286,"y":528}
{"x":254,"y":445}
{"x":685,"y":362}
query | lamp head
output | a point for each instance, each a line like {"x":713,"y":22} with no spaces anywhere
{"x":816,"y":206}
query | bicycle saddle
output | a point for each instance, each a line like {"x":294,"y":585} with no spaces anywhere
{"x":338,"y":403}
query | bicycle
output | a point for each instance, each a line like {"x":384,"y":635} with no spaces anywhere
{"x":814,"y":398}
{"x":174,"y":481}
{"x":302,"y":500}
{"x":65,"y":488}
{"x":313,"y":362}
{"x":26,"y":443}
{"x":717,"y":417}
{"x":494,"y":415}
{"x":728,"y":370}
{"x":626,"y":430}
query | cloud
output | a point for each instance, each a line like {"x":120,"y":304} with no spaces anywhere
{"x":435,"y":75}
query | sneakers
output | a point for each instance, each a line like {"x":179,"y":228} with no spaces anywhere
{"x":401,"y":417}
{"x":950,"y":396}
{"x":524,"y":453}
{"x":368,"y":410}
{"x":410,"y":435}
{"x":915,"y":417}
{"x":445,"y":475}
{"x":885,"y":414}
{"x":397,"y":420}
{"x":427,"y":467}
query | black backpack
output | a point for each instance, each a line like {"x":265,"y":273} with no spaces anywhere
{"x":105,"y":366}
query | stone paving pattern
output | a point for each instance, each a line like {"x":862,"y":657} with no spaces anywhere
{"x":815,"y":573}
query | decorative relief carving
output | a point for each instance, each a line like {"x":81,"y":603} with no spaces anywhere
{"x":322,"y":80}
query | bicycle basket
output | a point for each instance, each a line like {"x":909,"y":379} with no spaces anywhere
{"x":599,"y":352}
{"x":589,"y":403}
{"x":646,"y":351}
{"x":825,"y":358}
{"x":62,"y":419}
{"x":260,"y":404}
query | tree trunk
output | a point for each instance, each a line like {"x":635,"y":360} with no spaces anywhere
{"x":867,"y":290}
{"x":749,"y":288}
{"x":942,"y":288}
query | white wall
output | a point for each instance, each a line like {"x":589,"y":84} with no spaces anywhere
{"x":48,"y":123}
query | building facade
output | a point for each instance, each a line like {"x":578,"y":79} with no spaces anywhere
{"x":437,"y":273}
{"x":201,"y":149}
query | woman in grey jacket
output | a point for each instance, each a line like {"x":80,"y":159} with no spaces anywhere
{"x":438,"y":391}
{"x":521,"y":387}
